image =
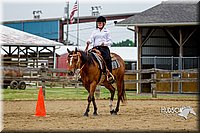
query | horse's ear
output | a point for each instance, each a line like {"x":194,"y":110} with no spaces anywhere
{"x":68,"y":50}
{"x":76,"y":50}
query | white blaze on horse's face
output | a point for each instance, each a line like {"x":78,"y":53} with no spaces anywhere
{"x":71,"y":59}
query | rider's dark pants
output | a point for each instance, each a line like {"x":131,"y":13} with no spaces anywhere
{"x":105,"y":52}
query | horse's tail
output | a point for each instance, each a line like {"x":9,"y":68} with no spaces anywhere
{"x":123,"y":96}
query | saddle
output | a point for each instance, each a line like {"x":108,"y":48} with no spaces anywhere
{"x":100,"y":61}
{"x":102,"y":65}
{"x":97,"y":55}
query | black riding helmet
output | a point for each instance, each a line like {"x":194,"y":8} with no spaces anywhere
{"x":100,"y":19}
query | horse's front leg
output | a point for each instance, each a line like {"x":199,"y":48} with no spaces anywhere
{"x":93,"y":86}
{"x":91,"y":98}
{"x":88,"y":106}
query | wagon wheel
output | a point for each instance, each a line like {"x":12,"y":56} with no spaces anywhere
{"x":13,"y":84}
{"x":22,"y":85}
{"x":5,"y":86}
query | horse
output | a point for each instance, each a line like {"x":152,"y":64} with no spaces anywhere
{"x":91,"y":75}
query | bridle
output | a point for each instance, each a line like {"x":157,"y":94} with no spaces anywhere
{"x":78,"y":63}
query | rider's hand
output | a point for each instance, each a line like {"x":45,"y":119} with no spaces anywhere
{"x":102,"y":44}
{"x":88,"y":42}
{"x":87,"y":45}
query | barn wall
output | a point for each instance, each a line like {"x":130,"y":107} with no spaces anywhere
{"x":190,"y":48}
{"x":62,"y":62}
{"x":158,"y":44}
{"x":162,"y":52}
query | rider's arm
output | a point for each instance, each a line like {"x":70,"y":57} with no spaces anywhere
{"x":90,"y":41}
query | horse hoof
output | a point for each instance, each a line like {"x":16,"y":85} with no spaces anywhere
{"x":95,"y":114}
{"x":85,"y":114}
{"x":112,"y":112}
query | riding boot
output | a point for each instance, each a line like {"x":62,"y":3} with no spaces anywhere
{"x":110,"y":77}
{"x":105,"y":53}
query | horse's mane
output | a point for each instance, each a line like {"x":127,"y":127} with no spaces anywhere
{"x":86,"y":57}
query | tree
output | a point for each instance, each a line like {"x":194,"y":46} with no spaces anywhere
{"x":126,"y":43}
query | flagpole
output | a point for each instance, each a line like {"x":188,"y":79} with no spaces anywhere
{"x":67,"y":13}
{"x":78,"y":24}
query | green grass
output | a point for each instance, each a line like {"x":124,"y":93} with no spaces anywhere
{"x":81,"y":94}
{"x":51,"y":93}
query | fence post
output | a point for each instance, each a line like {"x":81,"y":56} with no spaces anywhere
{"x":97,"y":91}
{"x":63,"y":85}
{"x":154,"y":60}
{"x":43,"y":88}
{"x":153,"y":83}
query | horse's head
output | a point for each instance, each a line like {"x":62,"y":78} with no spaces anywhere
{"x":74,"y":59}
{"x":192,"y":111}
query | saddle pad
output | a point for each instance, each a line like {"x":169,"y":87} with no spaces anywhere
{"x":98,"y":59}
{"x":115,"y":64}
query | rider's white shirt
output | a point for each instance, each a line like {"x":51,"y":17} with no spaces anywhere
{"x":100,"y":36}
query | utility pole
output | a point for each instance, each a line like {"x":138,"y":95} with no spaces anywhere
{"x":66,"y":18}
{"x":78,"y":24}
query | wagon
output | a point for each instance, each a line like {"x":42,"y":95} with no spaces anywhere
{"x":14,"y":84}
{"x":13,"y":78}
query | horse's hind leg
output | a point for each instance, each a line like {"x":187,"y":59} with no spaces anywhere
{"x":95,"y":106}
{"x":121,"y":94}
{"x":112,"y":92}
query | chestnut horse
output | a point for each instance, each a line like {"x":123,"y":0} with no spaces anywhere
{"x":90,"y":75}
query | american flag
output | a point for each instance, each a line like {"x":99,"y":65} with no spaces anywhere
{"x":74,"y":9}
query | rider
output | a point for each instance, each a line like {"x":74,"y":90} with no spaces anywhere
{"x":101,"y":40}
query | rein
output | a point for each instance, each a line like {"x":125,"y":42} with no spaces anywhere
{"x":78,"y":62}
{"x":82,"y":68}
{"x":77,"y":66}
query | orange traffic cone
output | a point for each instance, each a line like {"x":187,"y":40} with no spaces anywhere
{"x":40,"y":107}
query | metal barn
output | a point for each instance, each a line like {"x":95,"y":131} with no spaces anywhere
{"x":47,"y":28}
{"x":53,"y":28}
{"x":167,"y":38}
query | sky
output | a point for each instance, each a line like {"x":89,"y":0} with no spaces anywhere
{"x":23,"y":9}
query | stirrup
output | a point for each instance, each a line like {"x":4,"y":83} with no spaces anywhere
{"x":110,"y":78}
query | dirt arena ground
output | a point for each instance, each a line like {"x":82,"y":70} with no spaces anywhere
{"x":135,"y":115}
